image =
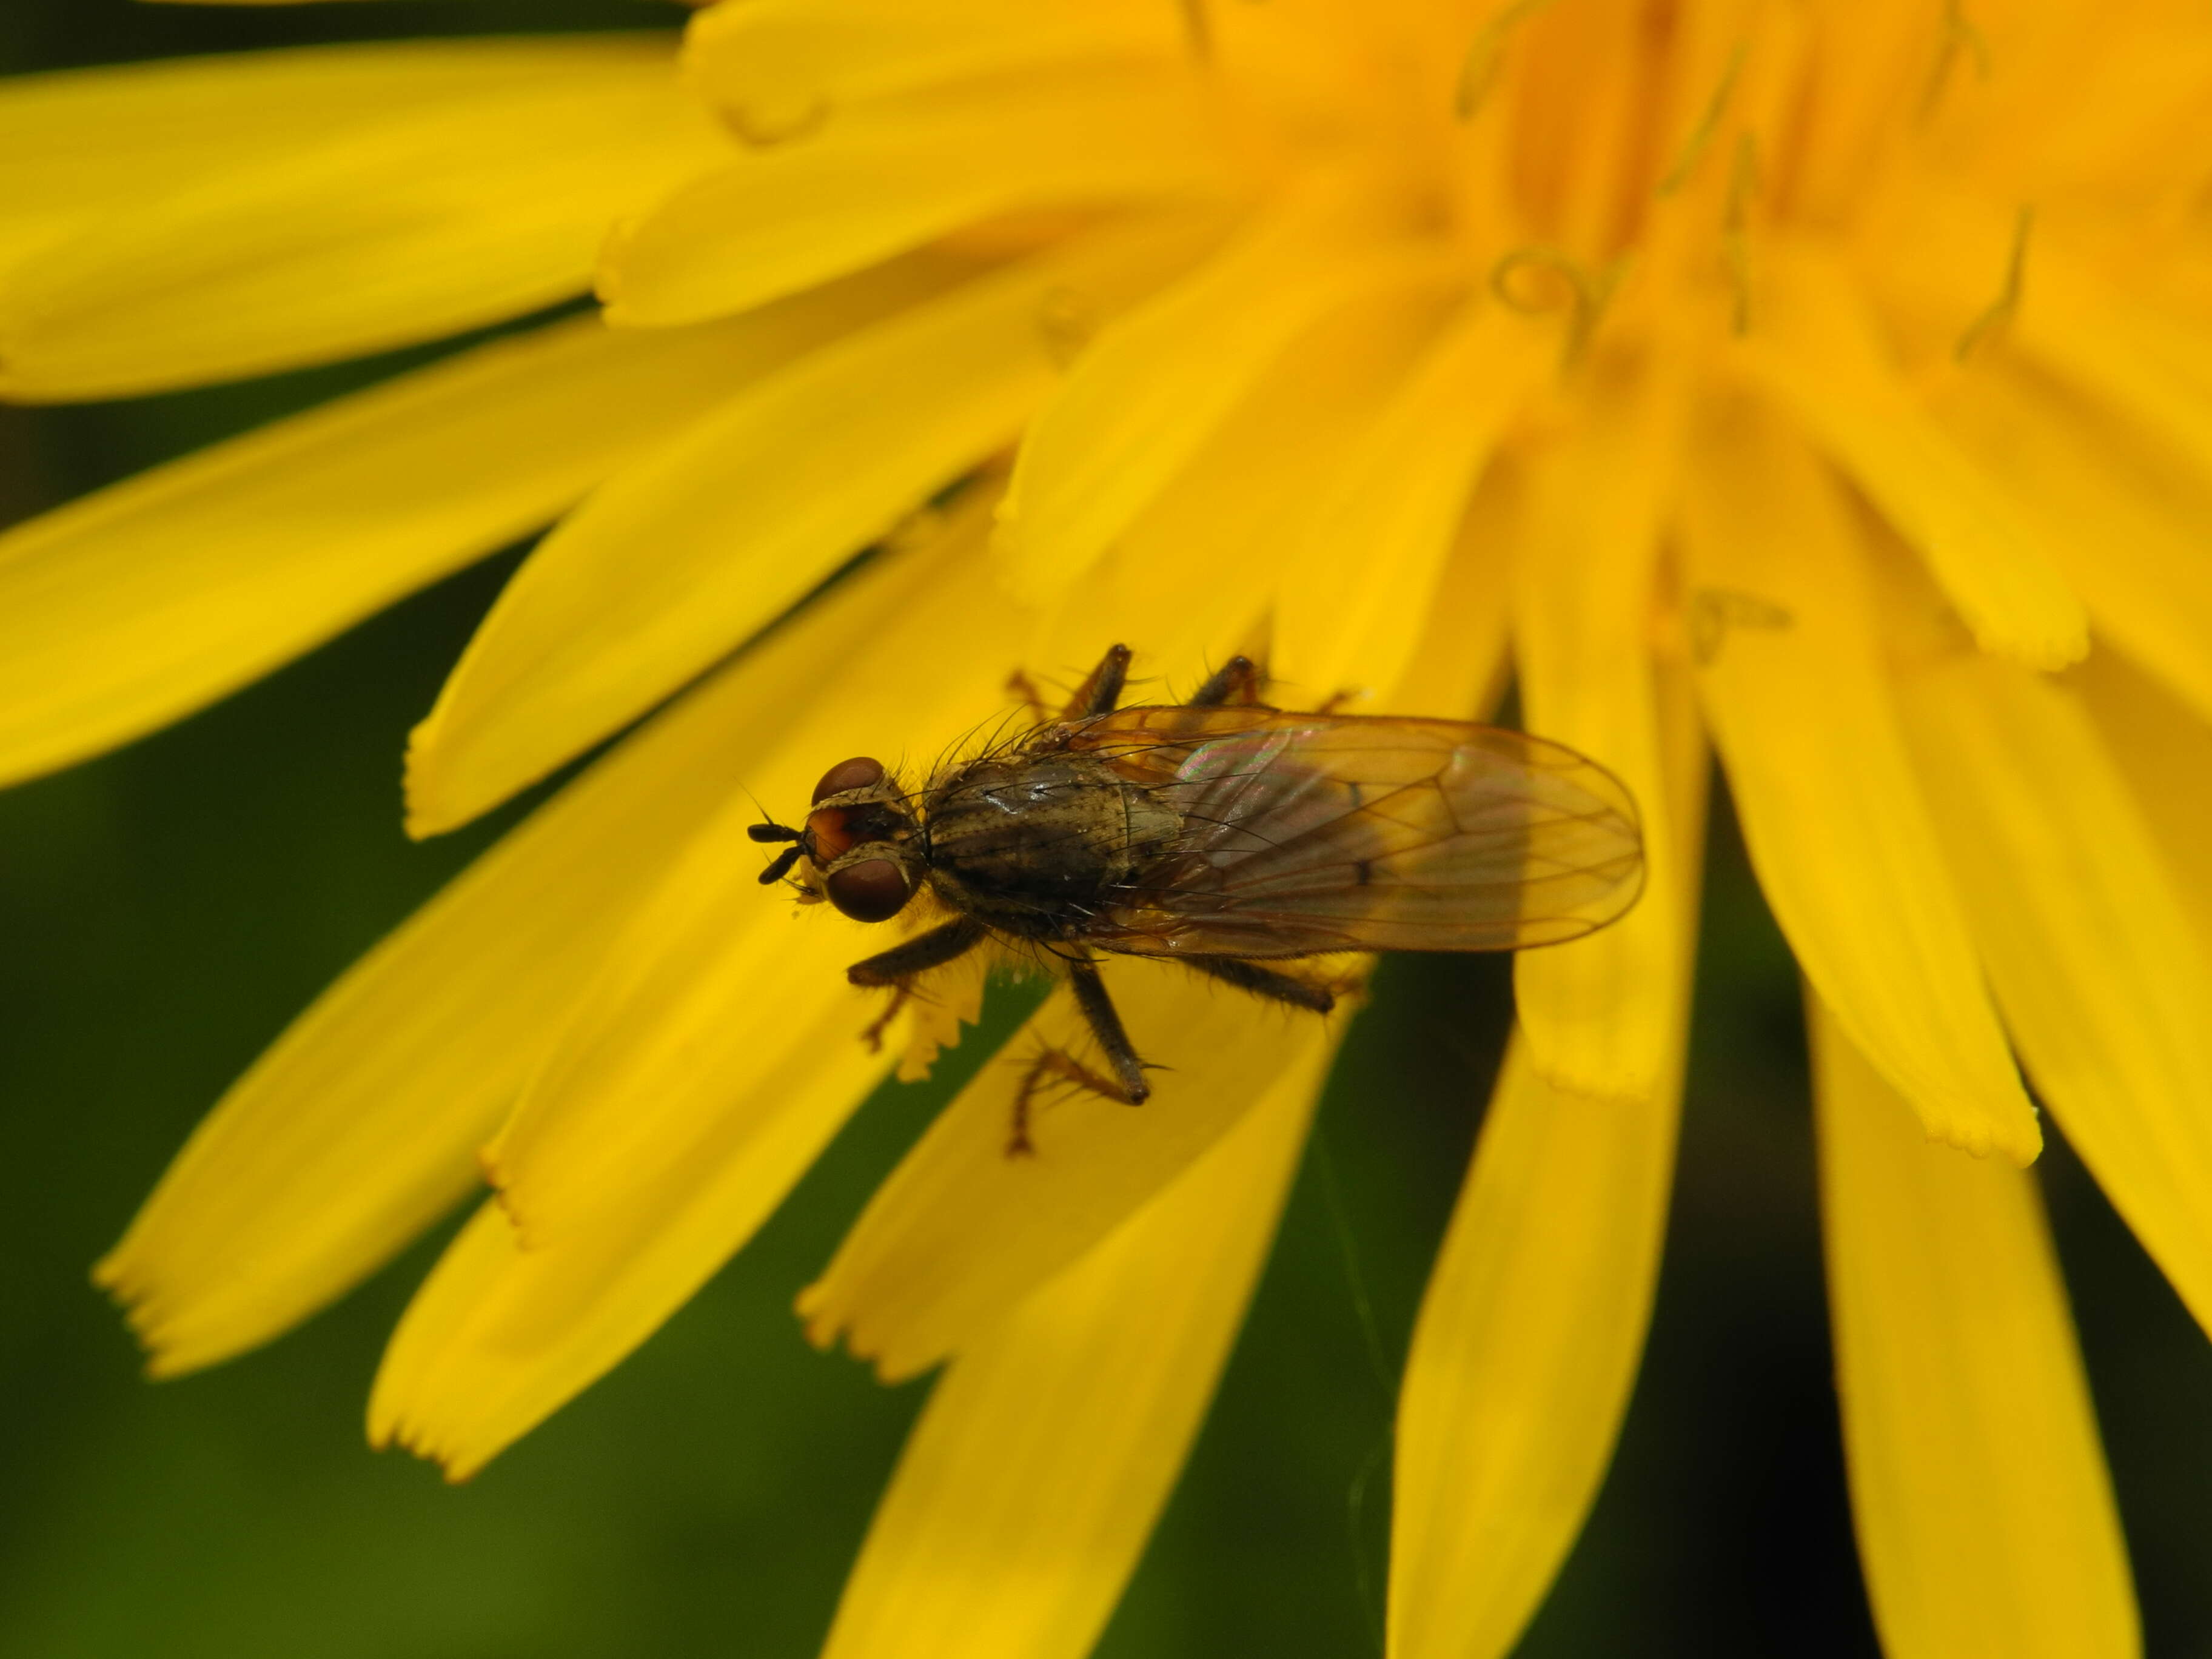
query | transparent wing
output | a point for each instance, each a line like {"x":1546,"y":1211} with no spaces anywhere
{"x":1307,"y":833}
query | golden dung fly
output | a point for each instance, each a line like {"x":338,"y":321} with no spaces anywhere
{"x":1221,"y":834}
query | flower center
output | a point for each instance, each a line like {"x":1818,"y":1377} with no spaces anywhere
{"x":1561,"y":148}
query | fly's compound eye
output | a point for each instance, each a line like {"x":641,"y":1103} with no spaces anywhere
{"x":874,"y":890}
{"x":855,"y":773}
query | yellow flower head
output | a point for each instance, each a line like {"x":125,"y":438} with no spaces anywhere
{"x":1833,"y":381}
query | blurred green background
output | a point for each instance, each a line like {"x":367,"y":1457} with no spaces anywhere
{"x":164,"y":911}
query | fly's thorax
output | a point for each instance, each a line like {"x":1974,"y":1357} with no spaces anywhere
{"x":1032,"y":842}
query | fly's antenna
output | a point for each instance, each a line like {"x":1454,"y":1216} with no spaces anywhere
{"x":773,"y":831}
{"x":777,"y":870}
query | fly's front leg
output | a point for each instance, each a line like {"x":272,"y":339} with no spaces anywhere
{"x":897,"y":966}
{"x":919,"y":954}
{"x":873,"y":1036}
{"x":1236,"y":683}
{"x":1127,"y":1085}
{"x":1023,"y":687}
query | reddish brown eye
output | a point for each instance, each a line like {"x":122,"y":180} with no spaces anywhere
{"x":855,"y":773}
{"x":874,"y":890}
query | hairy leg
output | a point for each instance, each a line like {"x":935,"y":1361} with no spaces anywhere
{"x":918,"y":955}
{"x":1264,"y":981}
{"x":1023,"y":687}
{"x":873,"y":1036}
{"x":1126,"y":1084}
{"x":1052,"y":1066}
{"x":1236,"y":682}
{"x":1101,"y":690}
{"x":897,"y":966}
{"x":1098,"y":1012}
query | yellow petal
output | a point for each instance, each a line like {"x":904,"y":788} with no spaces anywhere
{"x":1027,"y":1490}
{"x":2127,"y":523}
{"x":962,"y":1231}
{"x":1154,"y":386}
{"x":1460,"y":667}
{"x":1798,"y":704}
{"x":1842,"y":130}
{"x":1819,"y":349}
{"x":2164,"y":750}
{"x":671,"y":565}
{"x":2105,"y":109}
{"x":431,"y":221}
{"x":122,"y":610}
{"x":1527,"y":1345}
{"x":860,"y":182}
{"x":500,"y":1337}
{"x":1985,"y":1521}
{"x":1357,"y":580}
{"x":705,"y":993}
{"x":779,"y":66}
{"x":1244,"y":495}
{"x":2104,"y":984}
{"x":360,"y":1125}
{"x":2134,"y":356}
{"x":1599,"y":1014}
{"x":1534,"y":1319}
{"x":714,"y":983}
{"x":81,"y":143}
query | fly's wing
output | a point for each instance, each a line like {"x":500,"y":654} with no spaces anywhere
{"x":1306,"y":833}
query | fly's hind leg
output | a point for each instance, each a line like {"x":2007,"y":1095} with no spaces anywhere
{"x":1126,"y":1084}
{"x":1265,"y":982}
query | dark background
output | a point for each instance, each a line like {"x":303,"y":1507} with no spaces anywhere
{"x":164,"y":911}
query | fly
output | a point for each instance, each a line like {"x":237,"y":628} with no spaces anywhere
{"x":1224,"y":834}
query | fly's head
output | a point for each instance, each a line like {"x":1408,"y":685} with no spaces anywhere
{"x":861,"y":842}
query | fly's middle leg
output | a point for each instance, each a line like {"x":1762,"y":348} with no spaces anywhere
{"x":1101,"y":690}
{"x":1099,"y":1013}
{"x":1236,"y":683}
{"x":1126,"y":1080}
{"x":1054,"y":1065}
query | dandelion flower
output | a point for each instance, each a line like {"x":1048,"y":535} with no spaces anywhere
{"x":1833,"y":383}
